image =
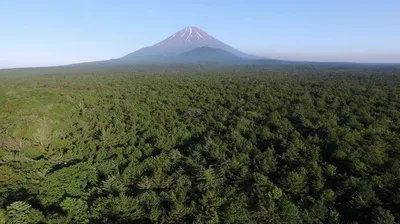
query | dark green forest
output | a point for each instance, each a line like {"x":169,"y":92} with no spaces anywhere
{"x":192,"y":145}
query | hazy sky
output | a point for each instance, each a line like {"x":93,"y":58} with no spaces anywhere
{"x":48,"y":32}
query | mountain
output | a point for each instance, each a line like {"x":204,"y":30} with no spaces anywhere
{"x":207,"y":54}
{"x":187,"y":45}
{"x":183,"y":41}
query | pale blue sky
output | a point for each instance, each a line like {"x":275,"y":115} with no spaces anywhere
{"x":48,"y":32}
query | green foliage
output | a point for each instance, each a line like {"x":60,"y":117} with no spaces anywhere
{"x":20,"y":212}
{"x":289,"y":212}
{"x":8,"y":177}
{"x":237,"y":211}
{"x":3,"y":217}
{"x":122,"y":208}
{"x":77,"y":210}
{"x":271,"y":145}
{"x":113,"y":185}
{"x":70,"y":181}
{"x":296,"y":182}
{"x":383,"y":217}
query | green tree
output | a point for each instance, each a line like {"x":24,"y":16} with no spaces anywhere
{"x":77,"y":210}
{"x":20,"y":212}
{"x":295,"y":182}
{"x":382,"y":216}
{"x":290,"y":214}
{"x":70,"y":181}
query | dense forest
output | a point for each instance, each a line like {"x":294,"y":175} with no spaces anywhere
{"x":193,"y":145}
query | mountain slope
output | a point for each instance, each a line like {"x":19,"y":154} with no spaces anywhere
{"x":184,"y":40}
{"x":207,"y":54}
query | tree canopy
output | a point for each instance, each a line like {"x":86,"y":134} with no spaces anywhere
{"x":179,"y":145}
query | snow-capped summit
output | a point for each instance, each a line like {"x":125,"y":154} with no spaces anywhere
{"x":189,"y":34}
{"x":182,"y":41}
